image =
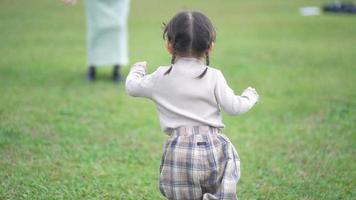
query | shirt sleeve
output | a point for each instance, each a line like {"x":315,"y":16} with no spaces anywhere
{"x":231,"y":103}
{"x":138,"y":84}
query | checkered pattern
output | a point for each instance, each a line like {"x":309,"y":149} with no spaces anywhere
{"x":199,"y":163}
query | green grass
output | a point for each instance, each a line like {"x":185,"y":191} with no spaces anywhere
{"x":64,"y":138}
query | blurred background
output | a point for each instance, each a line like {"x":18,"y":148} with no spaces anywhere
{"x":62,"y":137}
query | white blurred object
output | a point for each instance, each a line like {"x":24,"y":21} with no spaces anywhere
{"x":309,"y":11}
{"x":70,"y":2}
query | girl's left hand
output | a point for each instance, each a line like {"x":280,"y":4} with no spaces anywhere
{"x":252,"y":94}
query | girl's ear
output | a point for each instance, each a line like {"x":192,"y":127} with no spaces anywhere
{"x":169,"y":47}
{"x":211,"y":46}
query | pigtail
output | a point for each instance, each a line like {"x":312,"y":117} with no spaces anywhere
{"x":207,"y":64}
{"x":172,"y":62}
{"x":207,"y":58}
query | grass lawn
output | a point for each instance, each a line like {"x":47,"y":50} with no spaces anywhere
{"x":64,"y":138}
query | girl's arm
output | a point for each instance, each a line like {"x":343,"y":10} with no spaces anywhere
{"x":138,"y":84}
{"x":231,"y":103}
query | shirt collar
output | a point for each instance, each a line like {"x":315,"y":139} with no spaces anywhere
{"x":185,"y":60}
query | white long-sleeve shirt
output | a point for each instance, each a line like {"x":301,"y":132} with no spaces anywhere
{"x":182,"y":99}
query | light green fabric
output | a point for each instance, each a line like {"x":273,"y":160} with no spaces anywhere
{"x":107,"y":37}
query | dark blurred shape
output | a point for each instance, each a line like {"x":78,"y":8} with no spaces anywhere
{"x":91,"y":74}
{"x":116,"y":75}
{"x":338,"y":7}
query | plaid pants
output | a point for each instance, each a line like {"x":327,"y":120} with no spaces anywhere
{"x":199,"y":163}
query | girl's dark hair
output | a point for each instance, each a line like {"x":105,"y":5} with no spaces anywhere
{"x":190,"y":33}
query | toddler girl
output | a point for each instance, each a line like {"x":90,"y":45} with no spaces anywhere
{"x":198,"y":161}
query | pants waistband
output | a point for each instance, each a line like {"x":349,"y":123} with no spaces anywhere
{"x":188,"y":130}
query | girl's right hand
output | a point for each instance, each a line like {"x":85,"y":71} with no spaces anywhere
{"x":251,"y":94}
{"x":141,"y":64}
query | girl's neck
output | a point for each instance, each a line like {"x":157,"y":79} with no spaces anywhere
{"x":185,"y":60}
{"x":189,"y":58}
